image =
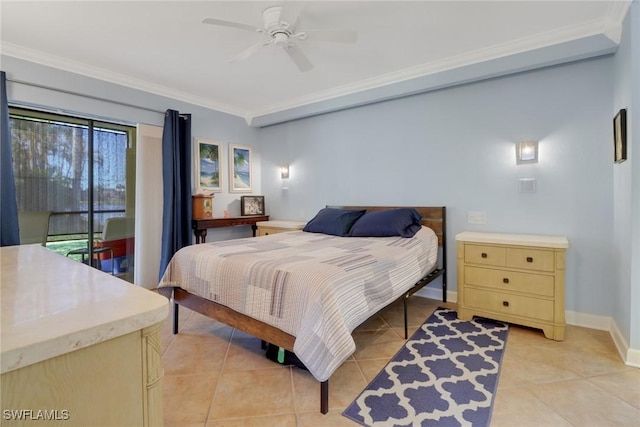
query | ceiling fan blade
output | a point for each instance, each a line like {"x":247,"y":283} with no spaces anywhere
{"x":298,"y":57}
{"x":335,"y":36}
{"x":231,"y":24}
{"x":291,"y":14}
{"x":250,"y":50}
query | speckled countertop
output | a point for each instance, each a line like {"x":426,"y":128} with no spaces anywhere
{"x":52,"y":305}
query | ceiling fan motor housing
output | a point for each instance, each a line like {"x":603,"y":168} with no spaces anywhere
{"x":279,"y":30}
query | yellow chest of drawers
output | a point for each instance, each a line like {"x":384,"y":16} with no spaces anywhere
{"x":515,"y":278}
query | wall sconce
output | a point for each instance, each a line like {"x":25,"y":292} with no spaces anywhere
{"x":284,"y":172}
{"x":527,"y":152}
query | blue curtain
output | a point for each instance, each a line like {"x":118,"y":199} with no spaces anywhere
{"x":176,"y":181}
{"x":9,"y":228}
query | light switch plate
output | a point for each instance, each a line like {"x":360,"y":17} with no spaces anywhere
{"x":477,"y":217}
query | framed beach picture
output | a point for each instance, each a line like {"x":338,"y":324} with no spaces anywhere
{"x":208,"y":167}
{"x":240,"y":158}
{"x":620,"y":136}
{"x":251,"y":205}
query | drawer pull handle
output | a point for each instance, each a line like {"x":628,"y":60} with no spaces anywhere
{"x":483,"y":254}
{"x":505,"y":280}
{"x":529,"y":259}
{"x":505,"y":303}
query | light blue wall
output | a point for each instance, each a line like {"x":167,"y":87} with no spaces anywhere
{"x":626,"y":191}
{"x":455,"y":147}
{"x":634,"y":136}
{"x":622,"y":189}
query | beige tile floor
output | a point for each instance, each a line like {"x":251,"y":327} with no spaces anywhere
{"x":216,"y":376}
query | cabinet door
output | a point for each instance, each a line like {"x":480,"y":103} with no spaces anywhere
{"x":99,"y":385}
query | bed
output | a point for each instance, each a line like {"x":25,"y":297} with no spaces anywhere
{"x":305,"y":292}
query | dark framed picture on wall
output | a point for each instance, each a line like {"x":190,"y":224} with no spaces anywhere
{"x":251,"y":205}
{"x":620,"y":136}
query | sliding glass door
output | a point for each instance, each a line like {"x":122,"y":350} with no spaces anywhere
{"x":83,"y":171}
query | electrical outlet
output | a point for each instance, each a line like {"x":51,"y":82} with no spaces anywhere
{"x":477,"y":217}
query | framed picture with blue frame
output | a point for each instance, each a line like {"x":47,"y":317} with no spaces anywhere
{"x":240,"y":168}
{"x":207,"y":165}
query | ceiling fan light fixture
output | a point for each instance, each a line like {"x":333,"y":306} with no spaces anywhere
{"x":281,"y":39}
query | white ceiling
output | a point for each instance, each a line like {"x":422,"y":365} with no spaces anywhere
{"x":403,"y":47}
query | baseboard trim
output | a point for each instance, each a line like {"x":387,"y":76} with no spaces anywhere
{"x":630,"y":356}
{"x":592,"y":321}
{"x":633,"y":358}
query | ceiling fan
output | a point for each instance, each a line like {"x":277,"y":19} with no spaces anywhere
{"x":282,"y":34}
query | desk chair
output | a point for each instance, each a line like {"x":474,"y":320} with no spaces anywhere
{"x":34,"y":227}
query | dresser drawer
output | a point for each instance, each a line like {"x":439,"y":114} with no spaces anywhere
{"x":530,"y":259}
{"x":265,"y":231}
{"x":537,"y":284}
{"x":487,"y":255}
{"x":504,"y":303}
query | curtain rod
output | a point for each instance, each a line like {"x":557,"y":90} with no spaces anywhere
{"x":83,"y":95}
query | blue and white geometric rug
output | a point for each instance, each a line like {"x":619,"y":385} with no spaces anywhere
{"x":445,"y":375}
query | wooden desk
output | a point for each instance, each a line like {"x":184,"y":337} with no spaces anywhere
{"x":200,"y":226}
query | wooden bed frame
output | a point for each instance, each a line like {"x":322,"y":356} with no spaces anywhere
{"x":432,"y":217}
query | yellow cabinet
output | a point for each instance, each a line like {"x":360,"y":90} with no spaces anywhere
{"x":514,"y":278}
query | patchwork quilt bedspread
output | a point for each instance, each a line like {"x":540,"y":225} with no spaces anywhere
{"x":316,"y":287}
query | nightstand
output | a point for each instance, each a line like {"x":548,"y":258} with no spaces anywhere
{"x":272,"y":227}
{"x":515,"y":278}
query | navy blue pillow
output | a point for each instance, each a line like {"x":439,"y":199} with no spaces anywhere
{"x":336,"y":222}
{"x":403,"y":222}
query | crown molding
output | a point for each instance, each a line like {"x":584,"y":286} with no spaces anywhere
{"x":75,"y":67}
{"x":614,"y":19}
{"x":561,"y":45}
{"x":481,"y":55}
{"x":617,"y":10}
{"x":554,"y":47}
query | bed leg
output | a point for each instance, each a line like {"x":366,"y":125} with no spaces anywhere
{"x":406,"y":331}
{"x":444,"y":287}
{"x":175,"y":318}
{"x":324,"y":396}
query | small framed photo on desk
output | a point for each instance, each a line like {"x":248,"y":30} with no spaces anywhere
{"x":251,"y":205}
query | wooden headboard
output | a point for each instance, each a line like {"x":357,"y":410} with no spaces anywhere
{"x":433,"y":217}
